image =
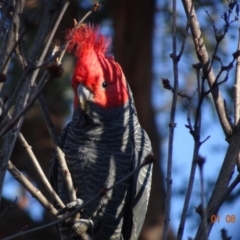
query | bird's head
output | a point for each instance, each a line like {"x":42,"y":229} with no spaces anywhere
{"x":97,"y":78}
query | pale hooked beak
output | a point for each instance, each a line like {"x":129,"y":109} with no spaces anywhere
{"x":84,"y":95}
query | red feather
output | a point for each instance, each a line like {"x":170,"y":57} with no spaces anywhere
{"x":86,"y":37}
{"x":93,"y":67}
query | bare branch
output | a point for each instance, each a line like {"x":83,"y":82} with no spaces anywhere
{"x":60,"y":154}
{"x":237,"y":86}
{"x":30,"y":188}
{"x":148,"y":160}
{"x":223,"y":180}
{"x":189,"y":192}
{"x":168,"y":86}
{"x":238,"y":163}
{"x":48,"y":21}
{"x":11,"y":34}
{"x":224,"y":196}
{"x":200,"y":162}
{"x":38,"y":167}
{"x":232,"y":136}
{"x":20,"y":114}
{"x":224,"y":235}
{"x":95,"y":8}
{"x":205,"y":61}
{"x":195,"y":132}
{"x":8,"y":207}
{"x":171,"y":126}
{"x":40,"y":171}
{"x":24,"y":31}
{"x":184,"y":39}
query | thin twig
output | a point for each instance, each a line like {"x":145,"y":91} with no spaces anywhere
{"x":184,"y":39}
{"x":11,"y":34}
{"x":63,"y":48}
{"x":188,"y":193}
{"x":95,"y":8}
{"x":25,"y":92}
{"x":60,"y":154}
{"x":222,"y":182}
{"x":8,"y":207}
{"x":6,"y":128}
{"x":204,"y":60}
{"x":14,"y":95}
{"x":148,"y":160}
{"x":24,"y":31}
{"x":15,"y":119}
{"x":166,"y":84}
{"x":201,"y":162}
{"x":233,"y":137}
{"x":31,"y":188}
{"x":8,"y":44}
{"x":40,"y":171}
{"x":37,"y":166}
{"x":238,"y":163}
{"x":195,"y":132}
{"x":171,"y":128}
{"x":237,"y":86}
{"x":46,"y":46}
{"x":224,"y":234}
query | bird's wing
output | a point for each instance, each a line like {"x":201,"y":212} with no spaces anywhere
{"x":140,"y":189}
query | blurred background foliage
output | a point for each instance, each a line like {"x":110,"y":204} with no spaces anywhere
{"x":142,"y":43}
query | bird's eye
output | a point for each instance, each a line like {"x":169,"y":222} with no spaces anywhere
{"x":104,"y":84}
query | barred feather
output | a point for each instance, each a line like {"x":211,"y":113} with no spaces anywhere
{"x":103,"y":143}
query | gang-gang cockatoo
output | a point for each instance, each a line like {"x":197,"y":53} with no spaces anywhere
{"x":103,"y":143}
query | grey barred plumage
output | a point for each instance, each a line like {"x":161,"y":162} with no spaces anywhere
{"x":103,"y":143}
{"x":99,"y":153}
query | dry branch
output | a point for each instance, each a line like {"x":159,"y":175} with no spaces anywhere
{"x":172,"y":124}
{"x":148,"y":160}
{"x":232,"y":135}
{"x":40,"y":171}
{"x":237,"y":87}
{"x":8,"y":207}
{"x":47,"y":25}
{"x":59,"y":153}
{"x":204,"y":59}
{"x":195,"y":132}
{"x":37,"y":166}
{"x":31,"y":188}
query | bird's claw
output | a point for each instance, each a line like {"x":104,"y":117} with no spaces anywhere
{"x":74,"y":204}
{"x":70,"y":206}
{"x":82,"y":228}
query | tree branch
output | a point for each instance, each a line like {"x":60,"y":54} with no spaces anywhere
{"x":30,"y":188}
{"x":37,"y":166}
{"x":172,"y":125}
{"x":40,"y":171}
{"x":49,"y":20}
{"x":148,"y":160}
{"x":60,"y":154}
{"x":233,"y":136}
{"x":195,"y":132}
{"x":237,"y":86}
{"x":223,"y":180}
{"x":204,"y":59}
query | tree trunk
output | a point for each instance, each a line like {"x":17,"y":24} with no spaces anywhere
{"x":133,"y":25}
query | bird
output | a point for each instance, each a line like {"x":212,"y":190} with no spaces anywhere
{"x":103,"y":142}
